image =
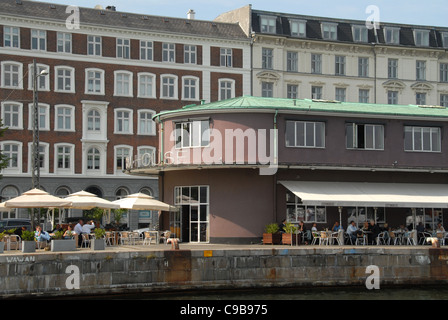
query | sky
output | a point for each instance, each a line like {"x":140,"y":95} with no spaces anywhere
{"x":415,"y":12}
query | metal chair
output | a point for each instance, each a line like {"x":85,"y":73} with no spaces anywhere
{"x":382,"y":238}
{"x":148,"y":238}
{"x":409,"y":238}
{"x":316,"y":238}
{"x":85,"y":240}
{"x":423,"y":237}
{"x":124,"y":237}
{"x":165,"y":236}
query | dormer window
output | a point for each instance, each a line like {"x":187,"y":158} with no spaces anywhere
{"x":268,"y":24}
{"x":445,"y":39}
{"x":298,"y":28}
{"x":421,"y":38}
{"x":360,"y":34}
{"x":329,"y":31}
{"x":392,"y":35}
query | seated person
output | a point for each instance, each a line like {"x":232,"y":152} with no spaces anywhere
{"x":352,"y":231}
{"x":41,"y":235}
{"x":69,"y":233}
{"x":87,"y":228}
{"x":336,"y":227}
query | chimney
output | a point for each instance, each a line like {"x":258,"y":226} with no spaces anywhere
{"x":111,"y":8}
{"x":190,"y":14}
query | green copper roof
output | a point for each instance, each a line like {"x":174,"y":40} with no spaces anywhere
{"x":315,"y":106}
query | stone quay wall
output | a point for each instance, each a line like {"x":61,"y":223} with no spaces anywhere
{"x":112,"y":272}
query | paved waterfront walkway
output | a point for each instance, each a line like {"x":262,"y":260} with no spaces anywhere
{"x":204,"y":247}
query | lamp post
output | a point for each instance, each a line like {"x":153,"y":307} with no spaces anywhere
{"x":35,"y":172}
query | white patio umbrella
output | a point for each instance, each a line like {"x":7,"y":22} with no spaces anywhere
{"x":37,"y":198}
{"x":85,"y":200}
{"x":141,"y":201}
{"x":3,"y":208}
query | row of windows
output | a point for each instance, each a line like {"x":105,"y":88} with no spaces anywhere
{"x":340,"y":65}
{"x":311,"y":134}
{"x":123,"y":82}
{"x":340,"y":94}
{"x":305,"y":134}
{"x":65,"y":154}
{"x":64,"y":116}
{"x":65,"y":44}
{"x":359,"y":32}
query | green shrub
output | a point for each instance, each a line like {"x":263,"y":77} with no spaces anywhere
{"x":99,"y":233}
{"x":27,"y":235}
{"x":271,"y":228}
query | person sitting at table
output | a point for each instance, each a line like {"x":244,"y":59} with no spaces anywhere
{"x":69,"y":233}
{"x":365,"y":226}
{"x":374,"y":232}
{"x":41,"y":235}
{"x":336,"y":227}
{"x":440,"y":228}
{"x":87,"y":228}
{"x":281,"y":226}
{"x":352,"y":231}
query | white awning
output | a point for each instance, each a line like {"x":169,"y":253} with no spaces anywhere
{"x":357,"y":194}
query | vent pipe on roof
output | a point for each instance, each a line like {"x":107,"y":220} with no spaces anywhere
{"x":111,"y":8}
{"x":191,"y":14}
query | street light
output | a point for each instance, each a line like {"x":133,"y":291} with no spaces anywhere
{"x":35,"y":172}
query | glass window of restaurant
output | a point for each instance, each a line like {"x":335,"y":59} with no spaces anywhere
{"x":296,"y":212}
{"x":365,"y":214}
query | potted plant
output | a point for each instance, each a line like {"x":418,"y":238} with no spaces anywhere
{"x":287,"y":237}
{"x":28,"y":243}
{"x":59,"y":244}
{"x":271,"y":235}
{"x":2,"y":244}
{"x":99,"y":243}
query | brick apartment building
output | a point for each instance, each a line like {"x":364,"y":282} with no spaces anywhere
{"x":105,"y":82}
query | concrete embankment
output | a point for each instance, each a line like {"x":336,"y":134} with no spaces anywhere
{"x":157,"y":268}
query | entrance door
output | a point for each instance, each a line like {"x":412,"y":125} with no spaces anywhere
{"x":194,"y":215}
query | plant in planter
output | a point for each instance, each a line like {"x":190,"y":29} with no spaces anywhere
{"x":59,"y":244}
{"x":271,"y":235}
{"x":99,"y":243}
{"x":289,"y":229}
{"x":28,"y":243}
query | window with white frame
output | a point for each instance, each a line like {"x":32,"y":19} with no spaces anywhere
{"x":123,"y":121}
{"x":65,"y":118}
{"x":168,"y":52}
{"x":190,"y":53}
{"x":329,"y":31}
{"x":421,"y":38}
{"x":292,"y":91}
{"x":146,"y":50}
{"x":64,"y":42}
{"x":341,"y":94}
{"x":168,"y":88}
{"x":420,"y":98}
{"x":93,"y":159}
{"x":9,"y":192}
{"x":296,"y":211}
{"x":146,"y":126}
{"x":392,"y":35}
{"x":225,"y":57}
{"x":12,"y":75}
{"x":12,"y":115}
{"x":123,"y":84}
{"x":364,"y":95}
{"x":123,"y":48}
{"x":190,"y":88}
{"x":94,"y":45}
{"x":268,"y":24}
{"x":364,"y":136}
{"x":64,"y":79}
{"x":360,"y":34}
{"x":122,"y":154}
{"x":316,"y":63}
{"x":267,"y":57}
{"x":444,"y":39}
{"x":43,"y":116}
{"x":192,"y":133}
{"x":422,"y":139}
{"x":363,"y":67}
{"x":392,"y":68}
{"x":38,"y":40}
{"x":298,"y":28}
{"x":146,"y":156}
{"x":420,"y":70}
{"x":340,"y":65}
{"x":12,"y":150}
{"x":316,"y":92}
{"x":94,"y":81}
{"x":444,"y":100}
{"x":43,"y":156}
{"x":292,"y":61}
{"x":392,"y":97}
{"x":444,"y":72}
{"x":226,"y":89}
{"x":305,"y":134}
{"x":146,"y":85}
{"x":93,"y":120}
{"x":11,"y":37}
{"x":43,"y":82}
{"x":64,"y":158}
{"x":267,"y":89}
